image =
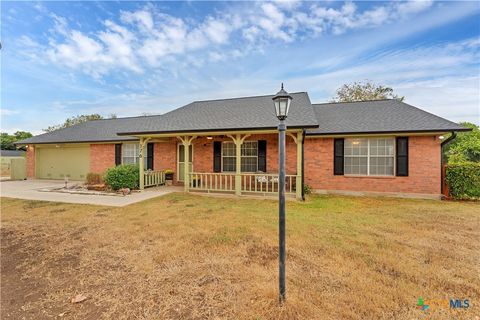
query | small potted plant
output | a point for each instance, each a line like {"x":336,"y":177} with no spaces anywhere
{"x":169,"y":176}
{"x":195,"y":182}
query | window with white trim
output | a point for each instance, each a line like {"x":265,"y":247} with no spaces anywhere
{"x":248,"y":153}
{"x":131,"y":153}
{"x":369,"y":156}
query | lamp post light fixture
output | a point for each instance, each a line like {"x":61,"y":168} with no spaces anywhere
{"x":282,"y":102}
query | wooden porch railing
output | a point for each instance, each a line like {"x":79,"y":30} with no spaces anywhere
{"x":266,"y":183}
{"x":261,"y":183}
{"x":154,"y":178}
{"x":212,"y":181}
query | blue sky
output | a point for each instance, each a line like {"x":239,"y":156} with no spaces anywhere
{"x":61,"y":59}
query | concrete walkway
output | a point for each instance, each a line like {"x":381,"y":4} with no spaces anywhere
{"x":29,"y":189}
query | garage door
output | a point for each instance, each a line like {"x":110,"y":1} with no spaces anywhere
{"x":56,"y":163}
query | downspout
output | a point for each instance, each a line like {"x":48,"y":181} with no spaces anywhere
{"x":442,"y":145}
{"x":303,"y":164}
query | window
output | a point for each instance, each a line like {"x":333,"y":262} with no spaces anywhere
{"x":181,"y":161}
{"x":228,"y":157}
{"x":373,"y":156}
{"x":249,"y":156}
{"x":131,"y":154}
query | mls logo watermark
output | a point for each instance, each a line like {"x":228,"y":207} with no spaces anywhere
{"x":424,"y":304}
{"x":457,"y":303}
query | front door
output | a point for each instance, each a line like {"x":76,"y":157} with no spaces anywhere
{"x":181,"y":161}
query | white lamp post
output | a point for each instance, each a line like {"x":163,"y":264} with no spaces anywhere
{"x":282,"y":101}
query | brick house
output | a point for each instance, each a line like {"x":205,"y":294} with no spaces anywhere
{"x":230,"y":145}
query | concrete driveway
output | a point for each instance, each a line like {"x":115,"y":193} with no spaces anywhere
{"x":29,"y":189}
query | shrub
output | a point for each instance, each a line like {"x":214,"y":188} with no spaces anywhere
{"x":463,"y":180}
{"x":94,"y":178}
{"x":307,"y":189}
{"x":123,"y":176}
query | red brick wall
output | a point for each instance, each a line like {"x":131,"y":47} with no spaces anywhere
{"x":102,"y":157}
{"x":424,"y":169}
{"x":165,"y":156}
{"x":31,"y":161}
{"x":203,"y":153}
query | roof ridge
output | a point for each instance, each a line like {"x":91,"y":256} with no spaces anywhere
{"x":338,"y":102}
{"x":246,"y":97}
{"x":120,"y":118}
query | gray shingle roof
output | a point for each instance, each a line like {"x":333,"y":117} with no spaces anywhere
{"x":229,"y":114}
{"x":258,"y":113}
{"x":12,"y":153}
{"x":379,"y":116}
{"x":91,"y":131}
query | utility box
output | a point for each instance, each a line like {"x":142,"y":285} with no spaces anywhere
{"x":18,"y":169}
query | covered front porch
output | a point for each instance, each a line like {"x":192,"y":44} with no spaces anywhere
{"x":240,"y":163}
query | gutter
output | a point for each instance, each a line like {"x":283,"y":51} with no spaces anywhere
{"x":304,"y":132}
{"x":442,"y":145}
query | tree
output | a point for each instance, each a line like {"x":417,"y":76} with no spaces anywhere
{"x":78,"y":119}
{"x":359,"y":91}
{"x":465,"y":147}
{"x":7,"y":140}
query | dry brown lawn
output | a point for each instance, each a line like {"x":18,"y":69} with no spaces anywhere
{"x":193,"y":257}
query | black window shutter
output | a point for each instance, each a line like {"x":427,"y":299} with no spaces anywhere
{"x":262,"y":155}
{"x":338,"y":156}
{"x":402,"y":156}
{"x":150,"y":156}
{"x":217,"y":156}
{"x":118,"y":154}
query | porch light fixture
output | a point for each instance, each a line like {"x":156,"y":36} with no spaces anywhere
{"x":209,"y":137}
{"x":281,"y":102}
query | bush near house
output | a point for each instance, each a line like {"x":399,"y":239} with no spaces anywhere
{"x":463,"y":180}
{"x":123,"y":176}
{"x":93,"y":178}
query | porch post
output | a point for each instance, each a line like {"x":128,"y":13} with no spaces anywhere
{"x":298,"y":193}
{"x":141,"y":164}
{"x":186,"y":152}
{"x":238,"y":165}
{"x":186,"y":180}
{"x":186,"y":142}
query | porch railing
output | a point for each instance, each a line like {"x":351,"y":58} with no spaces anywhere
{"x":262,"y":183}
{"x":212,"y":181}
{"x":154,"y":178}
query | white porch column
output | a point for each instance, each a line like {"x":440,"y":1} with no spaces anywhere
{"x":186,"y":142}
{"x":238,"y":165}
{"x":299,"y":184}
{"x":141,"y":165}
{"x":238,"y":140}
{"x":298,"y":138}
{"x":186,"y":169}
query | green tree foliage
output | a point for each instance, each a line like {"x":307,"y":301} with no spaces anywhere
{"x":364,"y":91}
{"x":8,"y":140}
{"x":76,"y":120}
{"x":465,"y":147}
{"x":463,"y":180}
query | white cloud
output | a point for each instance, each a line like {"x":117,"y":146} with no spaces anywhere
{"x":405,"y":8}
{"x":216,"y":30}
{"x":143,"y":19}
{"x":148,"y":37}
{"x":8,"y":112}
